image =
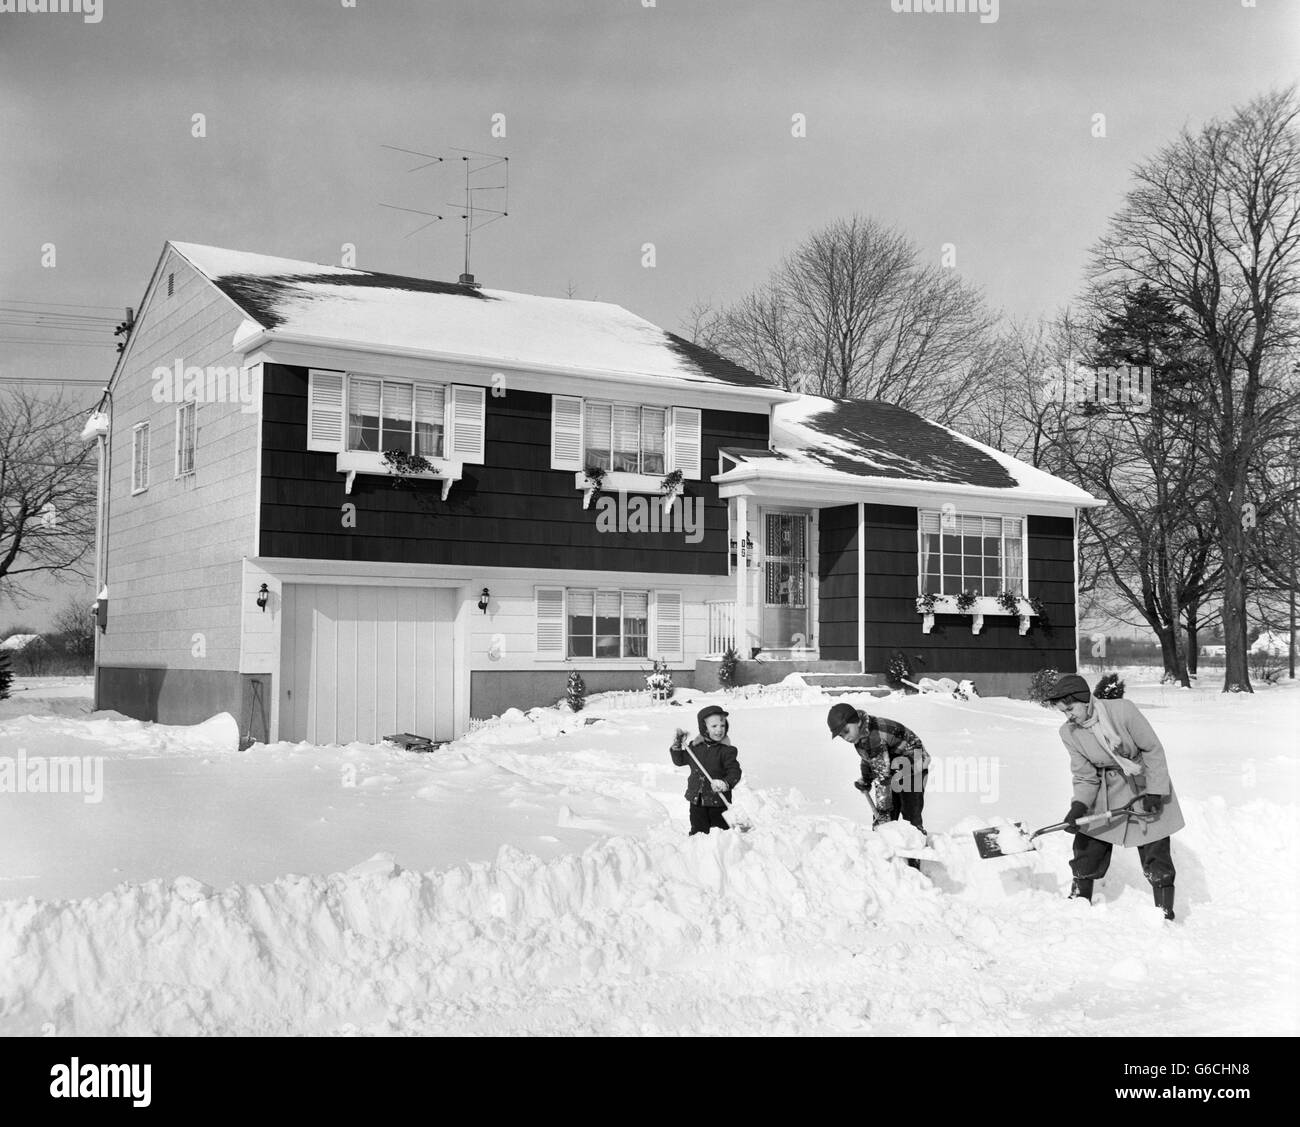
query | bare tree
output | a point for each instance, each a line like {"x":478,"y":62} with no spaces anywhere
{"x":74,"y":628}
{"x":854,"y":313}
{"x":47,"y":490}
{"x":1213,"y":223}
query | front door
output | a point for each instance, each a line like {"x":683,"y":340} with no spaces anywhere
{"x":784,"y":615}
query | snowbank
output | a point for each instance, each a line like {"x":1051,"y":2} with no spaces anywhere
{"x":806,"y":924}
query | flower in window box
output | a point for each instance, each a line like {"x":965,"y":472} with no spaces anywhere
{"x":671,"y":487}
{"x":966,"y":602}
{"x":1009,"y":601}
{"x":925,"y":603}
{"x":595,"y":480}
{"x":402,"y":465}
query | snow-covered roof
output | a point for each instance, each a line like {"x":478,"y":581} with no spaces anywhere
{"x":872,"y":443}
{"x":358,"y":308}
{"x":17,"y":642}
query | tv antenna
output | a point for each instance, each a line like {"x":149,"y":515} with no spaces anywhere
{"x":473,"y":212}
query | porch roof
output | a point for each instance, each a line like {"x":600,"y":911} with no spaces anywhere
{"x":870,"y":446}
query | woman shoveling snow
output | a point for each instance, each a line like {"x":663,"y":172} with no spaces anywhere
{"x":1116,"y":758}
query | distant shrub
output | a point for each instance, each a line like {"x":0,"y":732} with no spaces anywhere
{"x":897,"y":670}
{"x":1040,"y":683}
{"x":575,"y":691}
{"x":6,"y":676}
{"x":1109,"y":687}
{"x":728,"y":668}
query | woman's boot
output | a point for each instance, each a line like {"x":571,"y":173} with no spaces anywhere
{"x":1081,"y":889}
{"x":1164,"y":896}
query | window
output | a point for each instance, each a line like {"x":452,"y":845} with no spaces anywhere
{"x":606,"y":623}
{"x":590,"y":623}
{"x":390,"y":415}
{"x":624,"y":438}
{"x":962,"y":551}
{"x":140,"y":457}
{"x":186,"y":433}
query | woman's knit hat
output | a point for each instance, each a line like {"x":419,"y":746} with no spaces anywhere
{"x":1069,"y":687}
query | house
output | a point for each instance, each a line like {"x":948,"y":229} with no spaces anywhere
{"x":17,"y":643}
{"x":341,"y":504}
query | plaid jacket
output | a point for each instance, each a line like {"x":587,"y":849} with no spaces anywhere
{"x":892,"y":758}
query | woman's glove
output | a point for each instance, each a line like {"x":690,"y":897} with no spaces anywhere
{"x":719,"y":785}
{"x":1077,"y":810}
{"x":1152,"y":803}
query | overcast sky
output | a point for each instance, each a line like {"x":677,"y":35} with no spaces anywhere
{"x":624,"y":125}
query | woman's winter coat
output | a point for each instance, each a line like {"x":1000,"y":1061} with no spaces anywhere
{"x":718,"y":759}
{"x":1101,"y":784}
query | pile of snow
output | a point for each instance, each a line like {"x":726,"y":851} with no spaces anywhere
{"x":536,"y":877}
{"x":110,"y":731}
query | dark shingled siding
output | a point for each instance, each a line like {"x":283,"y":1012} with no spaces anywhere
{"x":892,"y":621}
{"x":837,"y":570}
{"x":515,"y":511}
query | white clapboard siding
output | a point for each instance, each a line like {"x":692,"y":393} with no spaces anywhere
{"x":685,"y":437}
{"x":361,"y":663}
{"x":325,"y":420}
{"x":550,"y":621}
{"x":668,"y":625}
{"x":468,"y":405}
{"x":566,"y":432}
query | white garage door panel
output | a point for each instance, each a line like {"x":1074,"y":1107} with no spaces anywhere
{"x":359,"y":663}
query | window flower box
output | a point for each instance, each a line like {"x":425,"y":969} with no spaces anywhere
{"x":984,"y":606}
{"x":617,"y":481}
{"x":353,"y":462}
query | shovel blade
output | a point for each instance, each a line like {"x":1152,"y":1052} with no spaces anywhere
{"x":1001,"y":841}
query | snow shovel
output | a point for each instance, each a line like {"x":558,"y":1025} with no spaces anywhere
{"x":742,"y":823}
{"x":1003,"y":841}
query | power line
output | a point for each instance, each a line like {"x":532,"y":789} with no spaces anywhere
{"x":61,"y":343}
{"x":63,"y":304}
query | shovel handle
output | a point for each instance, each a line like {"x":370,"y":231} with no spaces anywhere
{"x":703,"y":772}
{"x":1104,"y":816}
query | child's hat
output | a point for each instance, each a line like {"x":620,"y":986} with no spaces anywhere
{"x":839,"y":715}
{"x":711,"y":710}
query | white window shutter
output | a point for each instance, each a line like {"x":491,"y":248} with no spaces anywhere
{"x":468,"y":405}
{"x":550,"y":621}
{"x":685,"y":437}
{"x":325,"y":430}
{"x":566,"y":433}
{"x":668,"y":625}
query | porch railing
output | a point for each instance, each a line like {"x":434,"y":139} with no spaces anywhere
{"x":722,"y":627}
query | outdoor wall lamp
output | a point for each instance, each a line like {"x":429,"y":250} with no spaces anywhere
{"x":746,"y":547}
{"x":483,"y":600}
{"x":263,"y":597}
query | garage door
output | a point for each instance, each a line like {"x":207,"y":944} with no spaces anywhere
{"x":360,"y":663}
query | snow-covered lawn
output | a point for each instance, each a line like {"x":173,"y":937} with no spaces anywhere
{"x":536,"y":878}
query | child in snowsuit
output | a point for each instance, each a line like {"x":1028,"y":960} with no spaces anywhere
{"x":717,"y":755}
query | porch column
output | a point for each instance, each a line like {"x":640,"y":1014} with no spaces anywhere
{"x":862,"y":587}
{"x":742,"y":578}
